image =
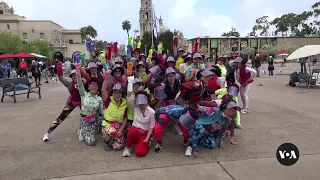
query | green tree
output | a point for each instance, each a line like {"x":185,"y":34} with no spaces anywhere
{"x":268,"y":49}
{"x":41,"y":47}
{"x":233,"y":32}
{"x":316,"y":14}
{"x":204,"y":50}
{"x":88,"y":32}
{"x":10,"y":43}
{"x":100,"y":45}
{"x":126,"y":26}
{"x":263,"y":24}
{"x":167,"y":40}
{"x":287,"y":47}
{"x":146,"y":41}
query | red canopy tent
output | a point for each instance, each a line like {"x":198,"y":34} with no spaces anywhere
{"x":5,"y":56}
{"x":24,"y":55}
{"x":283,"y":52}
{"x":262,"y":54}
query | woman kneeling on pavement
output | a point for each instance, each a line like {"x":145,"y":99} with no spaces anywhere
{"x":142,"y":127}
{"x":115,"y":117}
{"x":210,"y":125}
{"x":91,"y":108}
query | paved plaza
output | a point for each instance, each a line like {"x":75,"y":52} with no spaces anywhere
{"x":279,"y":114}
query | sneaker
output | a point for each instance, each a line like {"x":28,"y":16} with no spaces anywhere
{"x":158,"y":148}
{"x":244,"y":111}
{"x":81,"y":138}
{"x":188,"y":151}
{"x":46,"y":137}
{"x":126,"y":152}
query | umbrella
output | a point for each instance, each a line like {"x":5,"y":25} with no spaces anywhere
{"x":305,"y":51}
{"x":5,"y":56}
{"x":282,"y":53}
{"x":38,"y":55}
{"x":24,"y":55}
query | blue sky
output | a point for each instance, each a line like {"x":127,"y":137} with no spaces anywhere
{"x":193,"y":17}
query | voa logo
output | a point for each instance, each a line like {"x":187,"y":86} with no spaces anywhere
{"x":287,"y":154}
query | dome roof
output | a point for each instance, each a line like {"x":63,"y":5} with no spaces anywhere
{"x":4,"y":5}
{"x":163,"y":28}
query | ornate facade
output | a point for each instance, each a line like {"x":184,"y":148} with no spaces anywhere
{"x":229,"y":45}
{"x":145,"y":17}
{"x":63,"y":40}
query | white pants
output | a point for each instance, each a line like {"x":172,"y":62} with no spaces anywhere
{"x":244,"y":95}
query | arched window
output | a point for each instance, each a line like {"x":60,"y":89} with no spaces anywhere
{"x":146,"y":4}
{"x":146,"y":16}
{"x":1,"y":11}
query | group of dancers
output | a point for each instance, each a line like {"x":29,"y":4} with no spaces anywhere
{"x":133,"y":101}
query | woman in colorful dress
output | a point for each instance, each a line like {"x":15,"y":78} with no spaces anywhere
{"x":187,"y":62}
{"x":194,"y":68}
{"x":91,"y":108}
{"x":142,"y":128}
{"x":245,"y":76}
{"x":115,"y":117}
{"x":210,"y":125}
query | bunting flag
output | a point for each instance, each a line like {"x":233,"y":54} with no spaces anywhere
{"x":155,"y":21}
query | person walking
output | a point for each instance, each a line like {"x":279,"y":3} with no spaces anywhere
{"x":257,"y":64}
{"x":270,"y":66}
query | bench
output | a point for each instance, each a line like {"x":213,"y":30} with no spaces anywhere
{"x":11,"y":91}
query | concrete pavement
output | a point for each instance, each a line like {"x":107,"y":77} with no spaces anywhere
{"x":278,"y":114}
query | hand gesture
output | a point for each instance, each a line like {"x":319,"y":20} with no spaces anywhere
{"x":78,"y":69}
{"x":146,"y":140}
{"x":119,"y":133}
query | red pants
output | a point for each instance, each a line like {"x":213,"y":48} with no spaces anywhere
{"x":158,"y":128}
{"x":136,"y":136}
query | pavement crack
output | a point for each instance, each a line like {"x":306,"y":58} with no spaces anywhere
{"x":226,"y":171}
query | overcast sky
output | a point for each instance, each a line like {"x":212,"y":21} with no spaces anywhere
{"x":193,"y":17}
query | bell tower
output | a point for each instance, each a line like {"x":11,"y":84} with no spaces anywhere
{"x":146,"y":22}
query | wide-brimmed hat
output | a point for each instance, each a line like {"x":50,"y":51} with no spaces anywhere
{"x":197,"y":55}
{"x":117,"y":66}
{"x":222,"y":58}
{"x":137,"y":80}
{"x":155,"y":70}
{"x":169,"y":70}
{"x":180,"y":49}
{"x":118,"y":59}
{"x":233,"y":91}
{"x":206,"y":73}
{"x":233,"y":104}
{"x":186,"y":120}
{"x":141,"y":63}
{"x":92,"y":65}
{"x":142,"y":55}
{"x":211,"y":68}
{"x":159,"y":93}
{"x":93,"y":81}
{"x":117,"y":86}
{"x":141,"y":99}
{"x":238,"y":60}
{"x":72,"y":72}
{"x":170,"y":59}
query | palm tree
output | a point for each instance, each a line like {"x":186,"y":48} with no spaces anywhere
{"x":88,"y":31}
{"x":126,"y":26}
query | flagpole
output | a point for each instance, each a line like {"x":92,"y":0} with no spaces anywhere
{"x":152,"y":26}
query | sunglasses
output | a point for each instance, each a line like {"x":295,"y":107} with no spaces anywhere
{"x":118,"y":62}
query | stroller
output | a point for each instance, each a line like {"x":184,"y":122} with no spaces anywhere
{"x":311,"y":80}
{"x":299,"y":78}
